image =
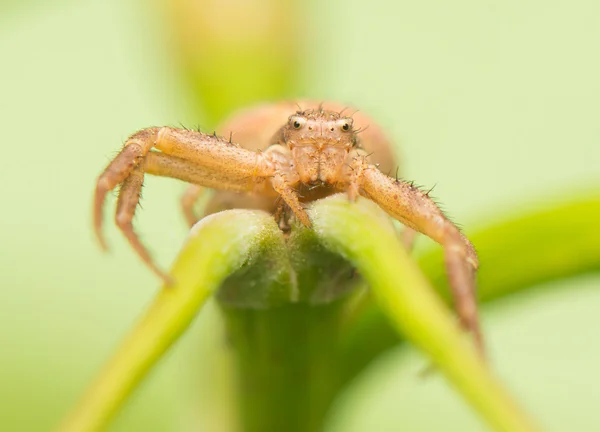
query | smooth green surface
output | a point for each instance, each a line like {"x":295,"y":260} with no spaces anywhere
{"x":521,"y":244}
{"x":495,"y":103}
{"x":359,"y":233}
{"x":286,"y":364}
{"x":287,"y":352}
{"x":553,"y":243}
{"x":205,"y":261}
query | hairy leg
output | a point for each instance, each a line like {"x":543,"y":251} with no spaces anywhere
{"x":129,"y":197}
{"x":416,"y":210}
{"x":136,"y":147}
{"x":224,"y":166}
{"x":354,"y":176}
{"x":188,"y":201}
{"x":407,"y":237}
{"x":206,"y":151}
{"x":165,"y":165}
{"x":285,"y":179}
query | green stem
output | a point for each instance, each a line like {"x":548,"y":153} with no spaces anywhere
{"x":207,"y":259}
{"x":548,"y":245}
{"x":362,"y":235}
{"x":287,"y":317}
{"x":286,"y":365}
{"x":283,"y":316}
{"x":516,"y":255}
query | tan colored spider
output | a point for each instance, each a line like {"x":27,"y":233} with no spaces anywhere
{"x":317,"y":152}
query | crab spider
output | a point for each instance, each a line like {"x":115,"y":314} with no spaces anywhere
{"x":314,"y":152}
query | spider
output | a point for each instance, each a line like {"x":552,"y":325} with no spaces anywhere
{"x":317,"y":152}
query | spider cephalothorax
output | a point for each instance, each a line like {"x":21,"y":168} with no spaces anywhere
{"x":320,"y":141}
{"x":316,"y":151}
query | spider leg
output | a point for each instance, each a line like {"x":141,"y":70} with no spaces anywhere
{"x":407,"y":237}
{"x":416,"y":210}
{"x":129,"y":197}
{"x":200,"y":159}
{"x":188,"y":200}
{"x":283,"y":187}
{"x":164,"y":165}
{"x":117,"y":171}
{"x":205,"y":151}
{"x":232,"y":160}
{"x":285,"y":179}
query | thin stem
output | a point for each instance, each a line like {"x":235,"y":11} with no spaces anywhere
{"x":517,"y":254}
{"x":286,"y":365}
{"x":207,"y":259}
{"x":361,"y":234}
{"x":283,"y":318}
{"x":552,"y":244}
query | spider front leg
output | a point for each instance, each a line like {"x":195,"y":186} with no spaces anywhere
{"x":129,"y":197}
{"x":284,"y":180}
{"x":136,"y":147}
{"x":188,"y":201}
{"x":197,"y":158}
{"x":416,"y":210}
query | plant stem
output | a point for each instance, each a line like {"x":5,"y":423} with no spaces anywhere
{"x":552,"y":244}
{"x":286,"y":306}
{"x":360,"y":233}
{"x":207,"y":259}
{"x":283,"y":316}
{"x":286,"y":365}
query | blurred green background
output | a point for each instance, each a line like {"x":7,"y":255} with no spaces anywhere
{"x":495,"y":103}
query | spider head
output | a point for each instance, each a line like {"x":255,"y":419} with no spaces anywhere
{"x":320,"y":141}
{"x":319,"y":128}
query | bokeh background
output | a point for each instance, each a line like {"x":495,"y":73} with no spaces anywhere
{"x":495,"y":103}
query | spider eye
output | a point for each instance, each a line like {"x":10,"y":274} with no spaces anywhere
{"x":346,"y":125}
{"x":297,"y":122}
